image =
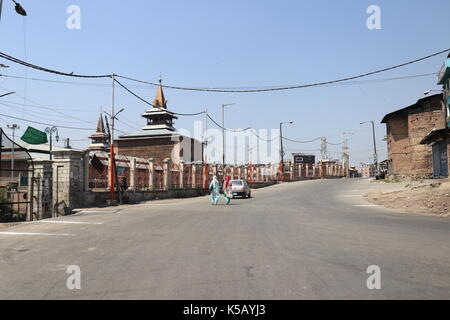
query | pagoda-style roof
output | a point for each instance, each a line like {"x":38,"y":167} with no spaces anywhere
{"x":159,"y":117}
{"x":100,"y":137}
{"x":160,"y":101}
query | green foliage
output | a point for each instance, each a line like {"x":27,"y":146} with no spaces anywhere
{"x":5,"y":209}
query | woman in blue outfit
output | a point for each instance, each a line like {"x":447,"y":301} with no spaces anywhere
{"x":214,"y":189}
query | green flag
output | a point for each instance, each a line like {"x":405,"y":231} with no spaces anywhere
{"x":34,"y":136}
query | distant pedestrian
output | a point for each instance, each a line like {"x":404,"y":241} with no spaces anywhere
{"x":214,"y":189}
{"x":124,"y":184}
{"x":227,"y":195}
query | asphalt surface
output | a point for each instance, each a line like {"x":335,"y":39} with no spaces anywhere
{"x":305,"y":240}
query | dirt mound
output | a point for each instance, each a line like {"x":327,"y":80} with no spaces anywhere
{"x":427,"y":198}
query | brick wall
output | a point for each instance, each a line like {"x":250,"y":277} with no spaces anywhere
{"x":158,"y":149}
{"x":398,"y":143}
{"x":186,"y":149}
{"x":406,"y":130}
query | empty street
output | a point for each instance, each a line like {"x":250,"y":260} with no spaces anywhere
{"x":302,"y":240}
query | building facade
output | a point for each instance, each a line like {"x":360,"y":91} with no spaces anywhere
{"x":158,"y":139}
{"x":439,"y":139}
{"x":406,"y":128}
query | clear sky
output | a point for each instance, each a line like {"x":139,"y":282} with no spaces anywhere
{"x":227,"y":44}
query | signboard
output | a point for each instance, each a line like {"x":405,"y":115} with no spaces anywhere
{"x":302,"y":158}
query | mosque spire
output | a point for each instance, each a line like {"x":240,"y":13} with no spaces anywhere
{"x":160,"y":101}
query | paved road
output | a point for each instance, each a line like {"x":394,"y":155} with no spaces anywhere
{"x":305,"y":240}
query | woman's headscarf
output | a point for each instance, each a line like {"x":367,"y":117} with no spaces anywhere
{"x":227,"y":181}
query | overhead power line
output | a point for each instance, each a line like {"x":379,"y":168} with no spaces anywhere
{"x":107,"y":85}
{"x":298,"y":141}
{"x":280,"y":88}
{"x":335,"y":144}
{"x":46,"y":124}
{"x":151,"y":104}
{"x":226,"y":129}
{"x":33,"y":66}
{"x":265,"y":140}
{"x":292,"y":86}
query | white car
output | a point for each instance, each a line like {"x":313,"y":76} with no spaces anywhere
{"x":240,"y":188}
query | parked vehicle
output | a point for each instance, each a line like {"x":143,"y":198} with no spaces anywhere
{"x":240,"y":188}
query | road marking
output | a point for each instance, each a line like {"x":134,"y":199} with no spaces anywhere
{"x":84,"y":211}
{"x":350,"y":195}
{"x":69,"y":222}
{"x":35,"y":234}
{"x":365,"y":205}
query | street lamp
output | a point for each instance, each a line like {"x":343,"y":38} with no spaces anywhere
{"x":375,"y":155}
{"x":13,"y":127}
{"x":19,"y":9}
{"x":50,"y":132}
{"x":281,"y":148}
{"x":223,"y":131}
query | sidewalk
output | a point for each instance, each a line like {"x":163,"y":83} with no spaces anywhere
{"x":5,"y":225}
{"x":426,"y":197}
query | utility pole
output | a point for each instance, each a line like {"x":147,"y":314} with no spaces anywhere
{"x":375,"y":155}
{"x":111,"y":145}
{"x":323,"y":148}
{"x":223,"y":132}
{"x":250,"y":168}
{"x":13,"y":127}
{"x":205,"y":150}
{"x":282,"y":150}
{"x":345,"y":154}
{"x":113,"y":177}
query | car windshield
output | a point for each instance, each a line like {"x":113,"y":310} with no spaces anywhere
{"x":236,"y":183}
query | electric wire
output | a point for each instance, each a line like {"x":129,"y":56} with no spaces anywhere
{"x":46,"y":124}
{"x":292,"y":86}
{"x":151,"y":104}
{"x":298,"y":141}
{"x":36,"y":67}
{"x":148,"y":85}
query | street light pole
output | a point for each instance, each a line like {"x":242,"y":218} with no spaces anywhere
{"x":205,"y":151}
{"x":111,"y":145}
{"x":282,"y":150}
{"x":13,"y":127}
{"x":50,"y":132}
{"x":223,"y":132}
{"x":375,"y":155}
